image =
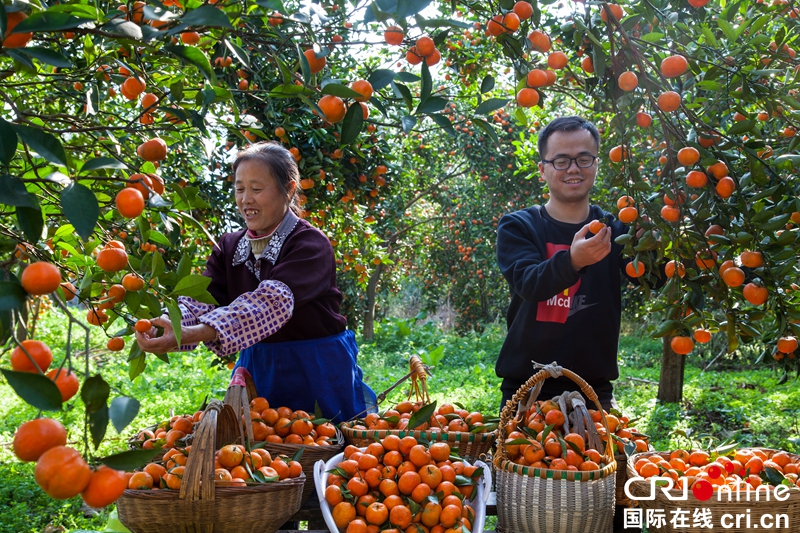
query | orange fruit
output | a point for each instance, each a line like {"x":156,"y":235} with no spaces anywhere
{"x":681,"y":345}
{"x":523,"y":9}
{"x":105,"y":486}
{"x":40,"y":278}
{"x":557,"y":60}
{"x":616,"y":11}
{"x":733,"y":276}
{"x":393,"y":35}
{"x":66,"y":381}
{"x":332,"y":107}
{"x":115,"y":344}
{"x":190,"y":37}
{"x":35,"y":437}
{"x":696,"y":179}
{"x":673,"y":267}
{"x":635,"y":272}
{"x":595,"y":226}
{"x":143,"y":325}
{"x":787,"y":344}
{"x":140,"y":481}
{"x":673,"y":66}
{"x":132,"y":282}
{"x":38,"y":351}
{"x":314,"y":63}
{"x":688,"y":156}
{"x":15,"y":40}
{"x":755,"y":294}
{"x":643,"y":120}
{"x":527,"y":97}
{"x":154,"y":149}
{"x":627,"y":215}
{"x":752,"y":259}
{"x":725,"y":187}
{"x":628,"y":81}
{"x":343,"y":513}
{"x":129,"y":202}
{"x":62,"y":473}
{"x":540,"y":41}
{"x":112,"y":259}
{"x":425,"y":46}
{"x":702,"y":336}
{"x":364,"y":88}
{"x":668,"y":101}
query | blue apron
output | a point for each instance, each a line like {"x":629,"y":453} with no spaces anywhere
{"x":298,"y":374}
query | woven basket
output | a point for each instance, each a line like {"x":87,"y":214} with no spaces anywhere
{"x":750,"y":510}
{"x":620,"y":497}
{"x":478,"y":503}
{"x":201,"y":507}
{"x":533,"y":500}
{"x":469,"y":446}
{"x":239,"y":396}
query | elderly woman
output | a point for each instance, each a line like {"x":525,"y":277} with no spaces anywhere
{"x":275,"y":283}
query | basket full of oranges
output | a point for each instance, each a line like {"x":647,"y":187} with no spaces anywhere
{"x":758,"y":484}
{"x":282,"y":430}
{"x":554,"y":470}
{"x":213,"y":485}
{"x":401,"y":484}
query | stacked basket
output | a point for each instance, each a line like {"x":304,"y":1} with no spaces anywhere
{"x":750,"y":506}
{"x":540,"y":500}
{"x":240,"y":392}
{"x":202,"y":507}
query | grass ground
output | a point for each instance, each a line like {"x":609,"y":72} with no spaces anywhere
{"x":735,"y":401}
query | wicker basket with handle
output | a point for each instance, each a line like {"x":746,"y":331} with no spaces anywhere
{"x":240,"y":392}
{"x":539,"y":500}
{"x":720,"y":511}
{"x":468,"y":445}
{"x":202,"y":507}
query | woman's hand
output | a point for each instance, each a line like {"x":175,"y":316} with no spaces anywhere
{"x":166,"y":342}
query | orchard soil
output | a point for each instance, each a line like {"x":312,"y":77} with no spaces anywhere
{"x":735,"y":399}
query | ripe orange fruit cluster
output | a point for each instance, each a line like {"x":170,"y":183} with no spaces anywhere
{"x":234,"y":466}
{"x":737,"y":470}
{"x":168,"y":432}
{"x":542,"y":442}
{"x":386,"y":486}
{"x":283,"y":425}
{"x":446,"y":417}
{"x":425,"y":49}
{"x":60,"y":470}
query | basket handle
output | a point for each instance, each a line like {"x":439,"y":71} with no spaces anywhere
{"x":319,"y":469}
{"x":198,"y":476}
{"x":487,"y":479}
{"x":507,"y":415}
{"x":239,"y":394}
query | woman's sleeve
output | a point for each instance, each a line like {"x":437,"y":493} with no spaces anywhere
{"x":250,"y":318}
{"x":191,"y":311}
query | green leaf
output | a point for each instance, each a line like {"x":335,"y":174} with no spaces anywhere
{"x":12,"y":296}
{"x":184,"y":267}
{"x":407,"y":77}
{"x":46,"y":145}
{"x":422,"y":416}
{"x":31,"y":222}
{"x":709,"y":36}
{"x":482,"y":124}
{"x":194,"y":56}
{"x":352,"y":124}
{"x":129,"y":460}
{"x":102,"y":162}
{"x":433,"y":104}
{"x":13,"y":192}
{"x":122,"y":411}
{"x":238,"y":52}
{"x":44,"y":21}
{"x":94,"y":393}
{"x":191,"y":285}
{"x":136,"y":366}
{"x":342,"y":91}
{"x":427,"y":83}
{"x":666,"y":328}
{"x":123,"y":29}
{"x":8,"y":142}
{"x":402,"y":91}
{"x":45,"y":55}
{"x":207,"y":15}
{"x":490,"y":105}
{"x":487,"y":84}
{"x":381,"y":78}
{"x":289,"y":91}
{"x":408,"y":123}
{"x":741,"y":127}
{"x":98,"y":424}
{"x":81,"y":208}
{"x":175,"y":319}
{"x":443,"y":122}
{"x":727,"y":29}
{"x":36,"y":389}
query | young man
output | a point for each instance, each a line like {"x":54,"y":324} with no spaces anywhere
{"x":565,"y":281}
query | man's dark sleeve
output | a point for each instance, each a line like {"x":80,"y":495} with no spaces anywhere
{"x":522,"y":261}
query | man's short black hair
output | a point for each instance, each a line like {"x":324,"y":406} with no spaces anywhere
{"x":566,"y":124}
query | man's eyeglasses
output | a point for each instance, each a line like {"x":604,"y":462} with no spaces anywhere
{"x":563,"y":163}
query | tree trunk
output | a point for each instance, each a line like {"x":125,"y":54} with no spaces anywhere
{"x":670,"y":385}
{"x":368,"y":331}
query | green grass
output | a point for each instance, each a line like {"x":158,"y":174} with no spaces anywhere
{"x":731,"y":401}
